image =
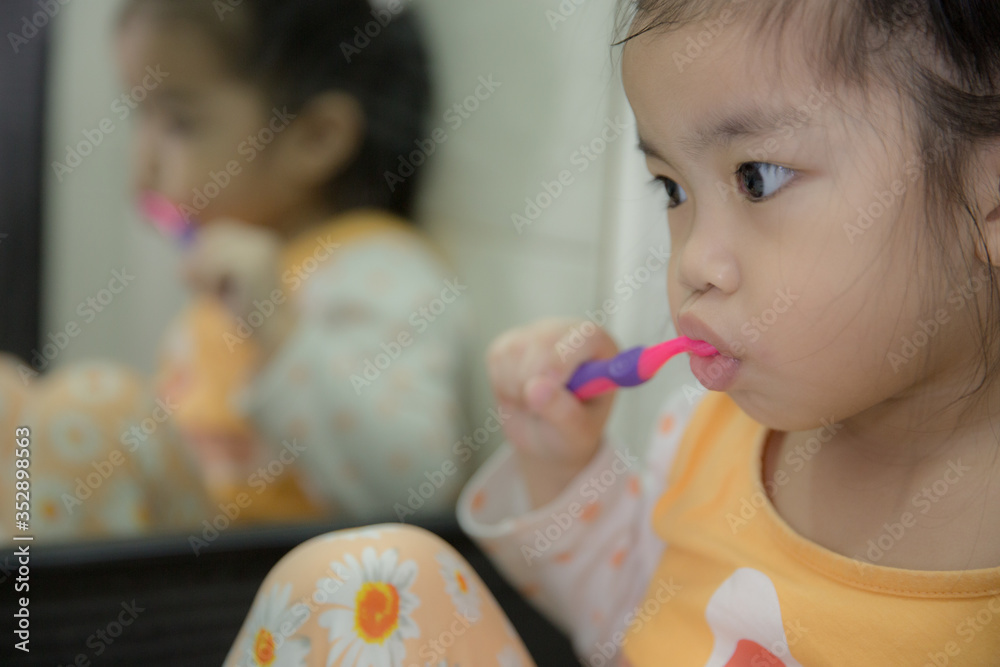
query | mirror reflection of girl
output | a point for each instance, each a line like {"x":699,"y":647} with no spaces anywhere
{"x":307,"y":244}
{"x":836,"y":499}
{"x":303,"y":263}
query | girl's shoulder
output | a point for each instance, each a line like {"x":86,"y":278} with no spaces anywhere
{"x":351,"y":229}
{"x":365,"y":241}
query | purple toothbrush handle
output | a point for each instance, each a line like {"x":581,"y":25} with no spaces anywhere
{"x":186,"y":237}
{"x":621,"y":370}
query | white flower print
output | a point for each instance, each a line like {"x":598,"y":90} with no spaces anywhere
{"x":149,"y":452}
{"x":96,"y":382}
{"x":53,"y":504}
{"x":458,"y":583}
{"x":359,"y":533}
{"x":508,"y":657}
{"x":76,"y":437}
{"x":268,"y":641}
{"x":373,"y":609}
{"x":124,"y":508}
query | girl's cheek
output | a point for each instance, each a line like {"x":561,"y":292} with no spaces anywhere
{"x":672,"y":285}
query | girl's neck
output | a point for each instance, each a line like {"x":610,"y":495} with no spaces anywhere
{"x":303,"y":218}
{"x":938,"y":477}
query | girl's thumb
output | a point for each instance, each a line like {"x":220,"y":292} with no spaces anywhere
{"x":549,"y":399}
{"x":538,"y":393}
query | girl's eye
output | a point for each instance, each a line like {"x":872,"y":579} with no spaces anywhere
{"x":181,"y":125}
{"x":178,"y":121}
{"x":675,"y":193}
{"x":761,"y":180}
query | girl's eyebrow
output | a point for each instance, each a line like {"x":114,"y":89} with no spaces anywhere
{"x":175,"y":95}
{"x":744,"y":123}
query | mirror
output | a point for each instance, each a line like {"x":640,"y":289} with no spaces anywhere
{"x":161,"y":384}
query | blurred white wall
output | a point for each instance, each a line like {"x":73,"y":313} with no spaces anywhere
{"x":558,"y":92}
{"x":91,"y":228}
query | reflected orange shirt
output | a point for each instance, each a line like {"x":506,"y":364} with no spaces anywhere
{"x":203,"y":373}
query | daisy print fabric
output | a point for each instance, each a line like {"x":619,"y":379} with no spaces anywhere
{"x":270,"y":641}
{"x":458,"y":585}
{"x":390,"y":595}
{"x":372,"y":614}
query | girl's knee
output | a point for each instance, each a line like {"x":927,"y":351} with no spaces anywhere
{"x":14,"y":382}
{"x":12,"y":368}
{"x":93,"y":383}
{"x":91,"y":404}
{"x":331,"y":555}
{"x":81,"y":398}
{"x":394,"y":589}
{"x":412,"y":540}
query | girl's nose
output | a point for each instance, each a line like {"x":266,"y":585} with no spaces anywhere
{"x":707,"y":258}
{"x":145,"y":166}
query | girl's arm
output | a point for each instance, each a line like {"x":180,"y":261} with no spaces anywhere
{"x":585,"y":558}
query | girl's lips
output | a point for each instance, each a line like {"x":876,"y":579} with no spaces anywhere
{"x":166,"y":216}
{"x":715,"y":373}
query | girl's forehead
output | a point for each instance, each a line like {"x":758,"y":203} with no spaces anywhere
{"x":690,"y":73}
{"x":690,"y":98}
{"x":186,"y":52}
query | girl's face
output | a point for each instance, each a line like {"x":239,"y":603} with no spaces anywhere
{"x":795,"y":230}
{"x":205,"y":140}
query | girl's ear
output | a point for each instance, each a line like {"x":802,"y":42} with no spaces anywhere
{"x":991,"y":204}
{"x":994,"y":215}
{"x":325,"y":138}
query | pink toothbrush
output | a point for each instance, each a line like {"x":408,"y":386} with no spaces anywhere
{"x":166,"y":216}
{"x":631,"y":367}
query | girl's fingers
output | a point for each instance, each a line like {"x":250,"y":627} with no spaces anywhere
{"x":571,"y":415}
{"x":539,"y":391}
{"x":552,"y":348}
{"x":503,"y":363}
{"x":576,"y":347}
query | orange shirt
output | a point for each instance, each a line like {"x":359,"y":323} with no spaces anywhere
{"x":680,"y":560}
{"x":750,"y":591}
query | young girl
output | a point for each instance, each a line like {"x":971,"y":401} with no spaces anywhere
{"x":331,"y":378}
{"x":318,"y":369}
{"x":833,"y":175}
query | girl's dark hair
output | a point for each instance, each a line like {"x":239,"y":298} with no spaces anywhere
{"x":943,"y":59}
{"x":297,"y":49}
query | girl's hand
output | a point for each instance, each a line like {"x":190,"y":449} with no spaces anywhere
{"x":554,"y":434}
{"x":238,"y":263}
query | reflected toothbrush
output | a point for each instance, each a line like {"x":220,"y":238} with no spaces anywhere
{"x":631,"y":367}
{"x":167,"y":217}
